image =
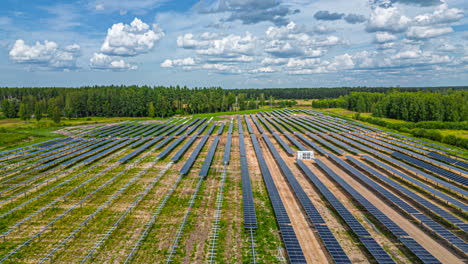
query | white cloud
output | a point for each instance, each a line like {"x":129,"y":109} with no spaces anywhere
{"x":229,"y":46}
{"x":131,"y":40}
{"x":222,"y":68}
{"x":294,"y":40}
{"x":341,"y":62}
{"x":442,"y":14}
{"x":99,"y":7}
{"x":301,"y":63}
{"x":427,"y":32}
{"x":188,"y":42}
{"x":274,"y":61}
{"x":104,"y":62}
{"x":408,"y":54}
{"x":268,"y":69}
{"x":384,"y":37}
{"x":387,"y":19}
{"x":178,"y":62}
{"x":46,"y":55}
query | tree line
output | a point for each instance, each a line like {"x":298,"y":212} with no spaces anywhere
{"x":449,"y":105}
{"x":324,"y":93}
{"x":119,"y":101}
{"x":160,"y":101}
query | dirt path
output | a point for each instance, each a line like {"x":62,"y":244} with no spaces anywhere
{"x":434,"y":247}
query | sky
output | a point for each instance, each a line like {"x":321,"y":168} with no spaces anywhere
{"x":234,"y":43}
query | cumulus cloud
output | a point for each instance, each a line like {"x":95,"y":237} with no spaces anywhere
{"x":131,"y":40}
{"x":354,"y":18}
{"x":178,"y":62}
{"x":293,"y":40}
{"x":326,"y":15}
{"x":301,"y":63}
{"x":427,"y":32}
{"x":227,"y":46}
{"x":349,"y":18}
{"x":222,"y":68}
{"x":45,"y":55}
{"x":442,"y":14}
{"x":253,"y":11}
{"x":386,"y":3}
{"x":268,"y":69}
{"x":384,"y":37}
{"x":387,"y":19}
{"x":274,"y":61}
{"x":102,"y":61}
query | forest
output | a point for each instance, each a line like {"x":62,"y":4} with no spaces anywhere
{"x":450,"y":105}
{"x":118,"y":101}
{"x":160,"y":101}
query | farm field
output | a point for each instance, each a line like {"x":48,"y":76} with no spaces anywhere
{"x":229,"y":189}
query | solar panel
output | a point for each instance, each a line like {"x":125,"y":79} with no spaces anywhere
{"x":332,"y":245}
{"x":328,"y":145}
{"x":293,"y":249}
{"x":311,"y":144}
{"x":423,"y":174}
{"x":227,"y":149}
{"x":171,"y":147}
{"x":372,"y":246}
{"x":448,"y":159}
{"x":189,"y":163}
{"x":184,"y":148}
{"x":434,"y":169}
{"x":209,"y":158}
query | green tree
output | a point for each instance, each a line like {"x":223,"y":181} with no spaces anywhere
{"x":56,"y":115}
{"x":151,"y":110}
{"x":38,"y":111}
{"x":23,"y":112}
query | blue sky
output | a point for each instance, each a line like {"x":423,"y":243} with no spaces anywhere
{"x":234,"y":43}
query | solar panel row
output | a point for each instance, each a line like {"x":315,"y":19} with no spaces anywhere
{"x":249,"y":127}
{"x":434,"y":169}
{"x":209,"y":158}
{"x":391,"y":226}
{"x":421,"y":173}
{"x":448,"y":159}
{"x":341,"y":144}
{"x":421,"y":185}
{"x":311,"y":144}
{"x":293,"y":249}
{"x":227,"y":149}
{"x":364,"y":236}
{"x":332,"y":245}
{"x":328,"y":145}
{"x":250,"y":217}
{"x":409,"y":209}
{"x":259,"y":127}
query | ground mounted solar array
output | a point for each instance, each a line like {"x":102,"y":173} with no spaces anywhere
{"x":229,"y":190}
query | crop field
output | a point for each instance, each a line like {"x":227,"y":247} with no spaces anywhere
{"x":230,"y":189}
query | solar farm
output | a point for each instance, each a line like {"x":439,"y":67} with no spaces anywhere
{"x":232,"y":190}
